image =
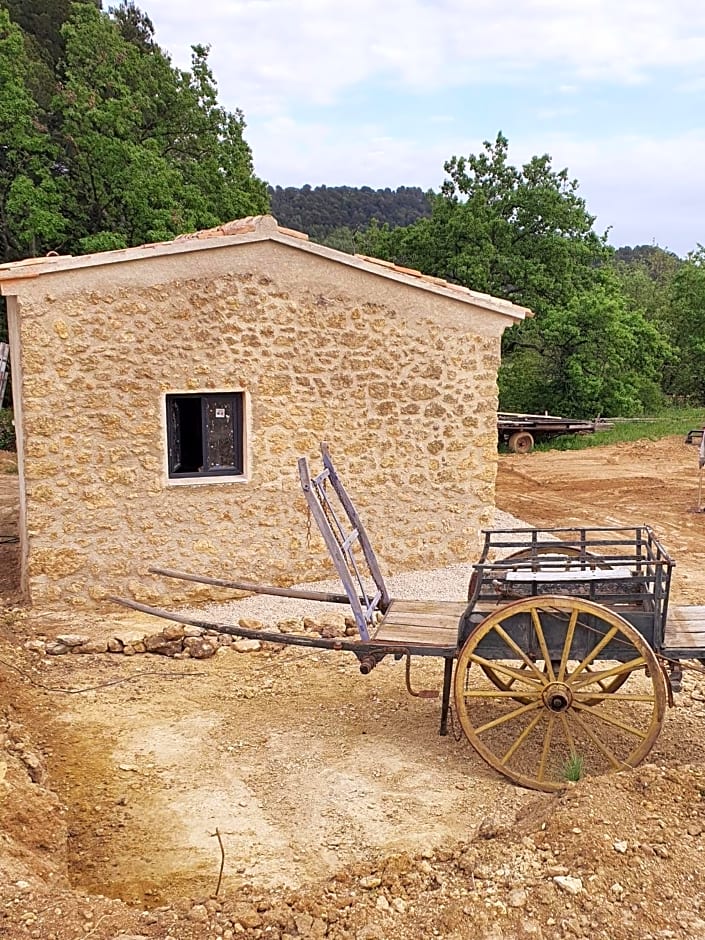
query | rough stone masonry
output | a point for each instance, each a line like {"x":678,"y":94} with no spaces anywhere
{"x":396,"y":372}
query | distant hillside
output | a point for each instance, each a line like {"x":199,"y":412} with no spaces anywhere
{"x":322,"y":210}
{"x":657,"y":262}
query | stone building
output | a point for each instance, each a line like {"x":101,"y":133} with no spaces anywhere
{"x":163,"y":394}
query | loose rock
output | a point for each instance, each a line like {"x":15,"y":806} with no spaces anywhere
{"x":569,"y":883}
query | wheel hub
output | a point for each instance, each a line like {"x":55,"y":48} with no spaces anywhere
{"x":557,"y":697}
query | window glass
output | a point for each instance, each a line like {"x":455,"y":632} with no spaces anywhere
{"x":205,"y":434}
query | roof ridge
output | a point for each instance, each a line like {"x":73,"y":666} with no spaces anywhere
{"x":263,"y":227}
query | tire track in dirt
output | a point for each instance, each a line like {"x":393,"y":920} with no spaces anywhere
{"x":643,"y":482}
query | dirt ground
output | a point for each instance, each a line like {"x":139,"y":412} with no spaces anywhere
{"x":330,"y":800}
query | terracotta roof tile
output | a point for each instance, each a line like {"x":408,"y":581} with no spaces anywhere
{"x":263,"y":227}
{"x":292,"y":233}
{"x":237,"y":227}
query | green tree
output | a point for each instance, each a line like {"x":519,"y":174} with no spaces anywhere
{"x":645,"y":275}
{"x":686,"y":324}
{"x":519,"y":233}
{"x":524,"y":233}
{"x":134,"y":25}
{"x":215,"y":160}
{"x":30,"y":201}
{"x":593,"y":356}
{"x":148,"y":153}
{"x":41,"y":21}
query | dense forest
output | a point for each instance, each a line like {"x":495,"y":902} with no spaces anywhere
{"x":336,"y":214}
{"x":105,"y":144}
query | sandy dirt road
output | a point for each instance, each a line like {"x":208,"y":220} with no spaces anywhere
{"x":652,"y":482}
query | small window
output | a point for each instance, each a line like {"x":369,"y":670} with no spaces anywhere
{"x":205,"y":434}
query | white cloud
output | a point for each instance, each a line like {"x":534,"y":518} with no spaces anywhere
{"x":287,"y":63}
{"x":268,"y":52}
{"x":642,"y":189}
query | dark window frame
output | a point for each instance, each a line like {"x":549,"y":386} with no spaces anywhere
{"x":192,"y":436}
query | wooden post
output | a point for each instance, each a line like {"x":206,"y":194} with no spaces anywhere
{"x":4,"y":369}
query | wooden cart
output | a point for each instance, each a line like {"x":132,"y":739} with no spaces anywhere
{"x":520,"y":431}
{"x":557,"y":662}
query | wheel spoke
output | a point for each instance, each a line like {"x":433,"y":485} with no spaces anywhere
{"x":567,"y":645}
{"x":567,"y":732}
{"x":586,"y":697}
{"x":499,"y":693}
{"x":520,"y":653}
{"x":538,"y":630}
{"x":499,"y":666}
{"x":522,"y":737}
{"x":546,"y":747}
{"x":503,"y":719}
{"x":600,"y":682}
{"x":615,"y":761}
{"x":611,"y":696}
{"x":608,"y":719}
{"x":498,"y":681}
{"x":610,"y":635}
{"x":631,"y":666}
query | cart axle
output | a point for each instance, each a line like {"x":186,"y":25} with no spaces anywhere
{"x":557,"y":697}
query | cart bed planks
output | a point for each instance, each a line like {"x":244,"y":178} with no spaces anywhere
{"x":685,"y":632}
{"x":422,"y":623}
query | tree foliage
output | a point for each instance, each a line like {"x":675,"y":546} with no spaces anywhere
{"x":593,"y":356}
{"x":128,"y":149}
{"x":335,"y":215}
{"x":524,"y":233}
{"x":645,"y":274}
{"x":686,"y":325}
{"x":520,"y":233}
{"x":30,"y":200}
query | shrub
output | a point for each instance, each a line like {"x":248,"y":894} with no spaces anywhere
{"x":7,"y":430}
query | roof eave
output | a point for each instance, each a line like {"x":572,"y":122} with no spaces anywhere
{"x":19,"y":272}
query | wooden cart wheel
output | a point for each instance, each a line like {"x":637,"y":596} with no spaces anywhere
{"x":559,"y":720}
{"x":569,"y":552}
{"x":521,"y":442}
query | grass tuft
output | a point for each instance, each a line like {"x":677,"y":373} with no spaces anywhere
{"x":574,"y":768}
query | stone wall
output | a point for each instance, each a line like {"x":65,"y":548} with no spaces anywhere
{"x":401,"y":382}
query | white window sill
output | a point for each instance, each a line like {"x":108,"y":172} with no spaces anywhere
{"x":207,"y":480}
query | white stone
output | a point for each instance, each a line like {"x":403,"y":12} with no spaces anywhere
{"x":517,"y":897}
{"x":370,"y":881}
{"x":72,"y":639}
{"x":246,"y":646}
{"x":92,"y":646}
{"x":193,"y":631}
{"x":199,"y":913}
{"x":129,"y":637}
{"x":569,"y":883}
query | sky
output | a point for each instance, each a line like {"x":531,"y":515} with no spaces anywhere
{"x":381,"y":93}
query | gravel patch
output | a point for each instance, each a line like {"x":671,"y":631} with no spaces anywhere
{"x":442,"y":584}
